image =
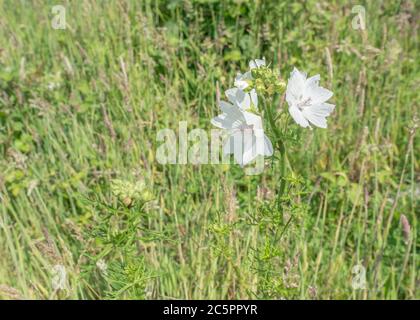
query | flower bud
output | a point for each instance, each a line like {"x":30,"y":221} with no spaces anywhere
{"x":267,"y":81}
{"x":129,"y":193}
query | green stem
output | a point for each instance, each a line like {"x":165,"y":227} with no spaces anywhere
{"x":282,"y":149}
{"x":282,"y":182}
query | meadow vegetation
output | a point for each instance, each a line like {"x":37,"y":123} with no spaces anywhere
{"x":80,"y":186}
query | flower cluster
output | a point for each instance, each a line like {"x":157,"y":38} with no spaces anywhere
{"x":245,"y":139}
{"x":267,"y":81}
{"x":241,"y":118}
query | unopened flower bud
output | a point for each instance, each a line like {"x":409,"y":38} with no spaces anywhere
{"x":129,"y":193}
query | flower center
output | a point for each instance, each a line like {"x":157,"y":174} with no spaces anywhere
{"x":303,"y":104}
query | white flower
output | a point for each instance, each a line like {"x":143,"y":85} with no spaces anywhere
{"x":242,"y":80}
{"x":256,"y":63}
{"x":246,"y":138}
{"x":244,"y":99}
{"x":307,"y":100}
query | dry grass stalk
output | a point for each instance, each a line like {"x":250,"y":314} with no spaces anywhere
{"x":10,"y":292}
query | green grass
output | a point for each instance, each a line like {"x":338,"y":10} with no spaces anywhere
{"x":126,"y":69}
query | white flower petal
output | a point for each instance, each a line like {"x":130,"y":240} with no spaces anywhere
{"x":256,"y":63}
{"x":295,"y":86}
{"x":237,"y":147}
{"x":260,"y":62}
{"x":268,"y":147}
{"x":241,"y":80}
{"x":231,"y":94}
{"x":313,"y":81}
{"x":250,"y":148}
{"x":223,"y":122}
{"x":323,"y":109}
{"x":298,"y":116}
{"x":254,"y":98}
{"x":231,"y":118}
{"x":244,"y":146}
{"x":317,"y":114}
{"x":315,"y":119}
{"x":254,"y":121}
{"x":243,"y":99}
{"x":226,"y":106}
{"x":240,"y":83}
{"x":232,"y":111}
{"x":315,"y":92}
{"x":260,"y":144}
{"x":234,"y":145}
{"x":228,"y":146}
{"x":247,"y":75}
{"x":248,"y":156}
